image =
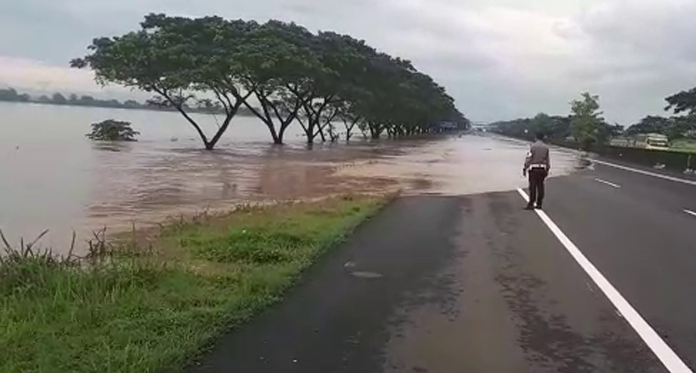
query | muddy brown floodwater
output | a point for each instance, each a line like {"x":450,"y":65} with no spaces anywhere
{"x":56,"y":179}
{"x":458,"y":165}
{"x":186,"y":181}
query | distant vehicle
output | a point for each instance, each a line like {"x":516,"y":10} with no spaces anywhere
{"x":651,"y":141}
{"x":644,"y":141}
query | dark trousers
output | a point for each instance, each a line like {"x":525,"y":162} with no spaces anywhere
{"x":536,"y":186}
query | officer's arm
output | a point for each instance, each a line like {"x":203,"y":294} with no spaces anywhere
{"x":527,"y":159}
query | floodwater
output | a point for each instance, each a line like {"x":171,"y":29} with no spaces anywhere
{"x":52,"y":177}
{"x":460,"y":165}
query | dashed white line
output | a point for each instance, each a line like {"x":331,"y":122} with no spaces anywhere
{"x":690,"y":212}
{"x":607,"y":183}
{"x":664,"y":353}
{"x":653,"y":174}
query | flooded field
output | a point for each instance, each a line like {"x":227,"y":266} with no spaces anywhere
{"x":53,"y":177}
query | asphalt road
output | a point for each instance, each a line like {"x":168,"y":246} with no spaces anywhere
{"x":601,"y":281}
{"x":639,"y":231}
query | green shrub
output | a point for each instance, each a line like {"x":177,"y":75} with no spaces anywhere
{"x":112,"y":130}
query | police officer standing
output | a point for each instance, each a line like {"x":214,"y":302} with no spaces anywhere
{"x":537,"y":165}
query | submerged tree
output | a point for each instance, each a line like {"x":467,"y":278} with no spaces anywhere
{"x":278,"y":61}
{"x":112,"y":130}
{"x":176,"y":58}
{"x":293,"y":74}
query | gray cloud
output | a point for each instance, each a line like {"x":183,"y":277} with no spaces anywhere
{"x":498,"y":58}
{"x":638,"y":52}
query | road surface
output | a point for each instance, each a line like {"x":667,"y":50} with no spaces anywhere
{"x":601,"y":281}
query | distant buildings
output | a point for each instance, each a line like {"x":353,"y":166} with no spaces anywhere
{"x":448,"y":126}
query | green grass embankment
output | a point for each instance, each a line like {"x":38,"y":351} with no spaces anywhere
{"x":152,"y":302}
{"x":686,"y":146}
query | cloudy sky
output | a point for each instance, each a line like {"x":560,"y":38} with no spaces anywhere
{"x":499,"y":58}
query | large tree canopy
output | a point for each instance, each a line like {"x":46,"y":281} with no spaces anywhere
{"x":682,"y":102}
{"x":682,"y":125}
{"x":177,"y":58}
{"x":292,"y":74}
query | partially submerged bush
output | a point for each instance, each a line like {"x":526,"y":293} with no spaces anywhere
{"x":112,"y":130}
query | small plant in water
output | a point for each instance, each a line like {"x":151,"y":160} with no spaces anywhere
{"x":112,"y":130}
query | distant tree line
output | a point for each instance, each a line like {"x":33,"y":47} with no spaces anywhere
{"x":314,"y":80}
{"x":11,"y":95}
{"x":681,"y":125}
{"x":586,"y":126}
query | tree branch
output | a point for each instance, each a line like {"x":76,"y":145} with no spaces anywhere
{"x":302,"y":124}
{"x":292,"y":116}
{"x":225,"y":103}
{"x":223,"y":128}
{"x":276,"y":112}
{"x":179,"y":108}
{"x":264,"y":105}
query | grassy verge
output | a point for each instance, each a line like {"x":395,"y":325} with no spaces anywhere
{"x":686,"y":146}
{"x":130,"y":309}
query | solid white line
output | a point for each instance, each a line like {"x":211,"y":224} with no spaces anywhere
{"x":607,"y":182}
{"x":658,"y":346}
{"x":690,"y":212}
{"x":653,"y":174}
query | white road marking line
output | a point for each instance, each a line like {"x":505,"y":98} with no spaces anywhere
{"x":667,"y":356}
{"x":690,"y":212}
{"x":653,"y":174}
{"x":607,"y":183}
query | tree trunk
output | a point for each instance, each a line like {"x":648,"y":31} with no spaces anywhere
{"x":284,"y":126}
{"x":321,"y":133}
{"x":225,"y":124}
{"x":333,"y":136}
{"x":274,"y":134}
{"x":375,"y":130}
{"x":195,"y":125}
{"x":265,"y":117}
{"x":309,"y":131}
{"x":310,"y":137}
{"x":349,"y":130}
